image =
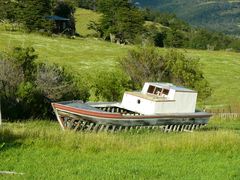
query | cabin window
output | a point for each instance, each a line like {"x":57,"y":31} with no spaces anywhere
{"x":151,"y":89}
{"x":138,"y":101}
{"x":158,"y":91}
{"x":165,"y":91}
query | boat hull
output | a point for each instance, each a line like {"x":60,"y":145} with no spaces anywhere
{"x":111,"y":117}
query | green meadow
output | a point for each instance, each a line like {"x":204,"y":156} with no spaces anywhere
{"x":41,"y":150}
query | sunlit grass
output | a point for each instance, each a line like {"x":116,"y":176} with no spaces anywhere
{"x":220,"y":135}
{"x":83,"y":18}
{"x":40,"y":149}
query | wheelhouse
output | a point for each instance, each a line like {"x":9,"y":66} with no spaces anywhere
{"x":157,"y":98}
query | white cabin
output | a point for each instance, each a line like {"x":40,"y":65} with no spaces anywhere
{"x":156,"y":98}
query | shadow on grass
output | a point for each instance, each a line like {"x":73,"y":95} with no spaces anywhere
{"x":9,"y":140}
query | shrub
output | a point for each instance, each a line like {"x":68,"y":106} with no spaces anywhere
{"x":146,"y":64}
{"x":27,"y":88}
{"x":109,"y":86}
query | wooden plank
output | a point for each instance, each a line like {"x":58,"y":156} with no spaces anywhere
{"x":166,"y":128}
{"x":174,"y":128}
{"x":77,"y":126}
{"x":120,"y":128}
{"x":182,"y":128}
{"x":113,"y":129}
{"x":83,"y":125}
{"x":58,"y":118}
{"x":101,"y":128}
{"x":126,"y":129}
{"x":95,"y":128}
{"x":10,"y":173}
{"x":106,"y":128}
{"x":193,"y":127}
{"x":90,"y":126}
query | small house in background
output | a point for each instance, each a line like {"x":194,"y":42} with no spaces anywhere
{"x":61,"y":24}
{"x":160,"y":98}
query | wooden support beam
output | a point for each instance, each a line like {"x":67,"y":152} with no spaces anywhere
{"x":83,"y":126}
{"x":101,"y":128}
{"x":77,"y":126}
{"x":90,"y":126}
{"x":95,"y":128}
{"x":106,"y":129}
{"x":120,"y":128}
{"x":113,"y":129}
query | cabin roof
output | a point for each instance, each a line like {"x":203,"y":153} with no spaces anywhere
{"x":170,"y":86}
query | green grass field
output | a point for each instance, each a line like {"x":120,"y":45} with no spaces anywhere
{"x":41,"y":150}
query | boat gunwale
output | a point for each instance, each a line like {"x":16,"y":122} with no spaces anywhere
{"x":103,"y":114}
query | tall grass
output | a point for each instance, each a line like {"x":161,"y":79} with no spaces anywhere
{"x":40,"y":149}
{"x":47,"y":134}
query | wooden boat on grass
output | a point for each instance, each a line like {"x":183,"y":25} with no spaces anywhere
{"x":158,"y":106}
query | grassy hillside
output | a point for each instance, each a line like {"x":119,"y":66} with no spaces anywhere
{"x":41,"y":150}
{"x":221,"y":15}
{"x":83,"y":18}
{"x":88,"y":55}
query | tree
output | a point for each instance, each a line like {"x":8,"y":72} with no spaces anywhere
{"x":34,"y":13}
{"x":66,"y":9}
{"x":87,"y":4}
{"x":121,"y":20}
{"x":9,"y":10}
{"x":175,"y":38}
{"x":25,"y":58}
{"x":109,"y":86}
{"x":146,"y":64}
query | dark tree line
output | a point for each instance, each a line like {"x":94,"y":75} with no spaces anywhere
{"x":33,"y":13}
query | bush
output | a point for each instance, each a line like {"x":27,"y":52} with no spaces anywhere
{"x":27,"y":88}
{"x":109,"y":86}
{"x":146,"y":64}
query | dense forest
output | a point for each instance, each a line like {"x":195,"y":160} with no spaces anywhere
{"x":221,"y":15}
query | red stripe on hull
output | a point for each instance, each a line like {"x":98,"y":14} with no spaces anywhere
{"x":87,"y":112}
{"x":119,"y":116}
